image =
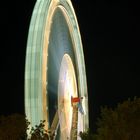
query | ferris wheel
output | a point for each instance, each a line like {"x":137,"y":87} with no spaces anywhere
{"x":55,"y":78}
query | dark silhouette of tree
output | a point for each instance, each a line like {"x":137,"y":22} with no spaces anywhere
{"x":86,"y":135}
{"x":13,"y":127}
{"x":39,"y":133}
{"x":121,"y":123}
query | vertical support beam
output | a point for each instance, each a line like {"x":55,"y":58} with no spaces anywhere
{"x":74,"y":123}
{"x":54,"y":127}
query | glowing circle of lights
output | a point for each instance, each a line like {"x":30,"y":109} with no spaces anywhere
{"x":67,"y":88}
{"x":55,"y":69}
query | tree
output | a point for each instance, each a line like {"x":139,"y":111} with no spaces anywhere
{"x":39,"y":133}
{"x":13,"y":127}
{"x":86,"y":135}
{"x":122,"y":123}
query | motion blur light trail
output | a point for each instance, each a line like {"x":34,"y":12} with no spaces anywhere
{"x":67,"y":88}
{"x":55,"y":70}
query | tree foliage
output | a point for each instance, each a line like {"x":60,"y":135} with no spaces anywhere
{"x":121,"y":123}
{"x":14,"y":127}
{"x":39,"y":133}
{"x":86,"y":135}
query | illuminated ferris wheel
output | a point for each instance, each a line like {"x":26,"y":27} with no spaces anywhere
{"x":55,"y":78}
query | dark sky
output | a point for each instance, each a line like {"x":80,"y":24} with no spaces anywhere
{"x":111,"y":39}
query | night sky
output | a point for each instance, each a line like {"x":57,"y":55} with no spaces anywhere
{"x":111,"y":39}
